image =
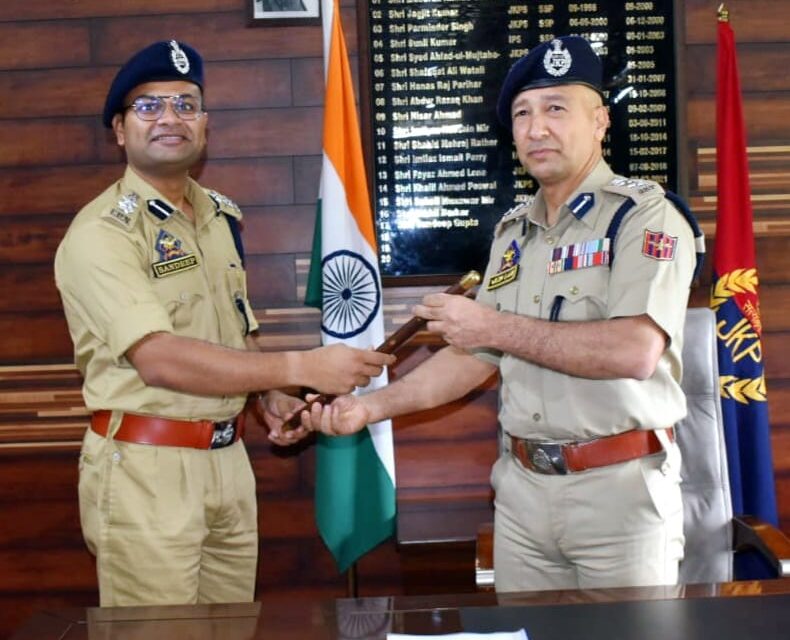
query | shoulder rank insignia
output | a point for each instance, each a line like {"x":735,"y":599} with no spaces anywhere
{"x":172,"y":256}
{"x":580,"y":255}
{"x":634,"y":188}
{"x":124,"y":210}
{"x":223,"y":203}
{"x":508,"y":267}
{"x":659,"y":245}
{"x":513,"y":215}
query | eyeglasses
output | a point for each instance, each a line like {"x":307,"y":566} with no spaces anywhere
{"x":186,"y":107}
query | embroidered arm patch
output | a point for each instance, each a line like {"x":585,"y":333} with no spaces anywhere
{"x":659,"y":245}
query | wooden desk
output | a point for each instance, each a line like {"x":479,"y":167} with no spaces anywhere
{"x":730,"y":611}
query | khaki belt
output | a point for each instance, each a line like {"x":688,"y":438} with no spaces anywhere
{"x":203,"y":434}
{"x":560,"y":458}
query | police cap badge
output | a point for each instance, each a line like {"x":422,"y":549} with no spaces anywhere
{"x":161,"y":61}
{"x":565,"y":60}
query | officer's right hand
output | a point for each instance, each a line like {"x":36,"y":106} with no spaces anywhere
{"x":346,"y":415}
{"x":338,"y":369}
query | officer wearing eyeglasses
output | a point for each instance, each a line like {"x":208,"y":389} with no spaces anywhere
{"x":151,"y":274}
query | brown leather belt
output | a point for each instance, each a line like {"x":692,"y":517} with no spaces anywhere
{"x":203,"y":434}
{"x":560,"y":458}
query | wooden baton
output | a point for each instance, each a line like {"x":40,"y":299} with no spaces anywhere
{"x":393,"y":343}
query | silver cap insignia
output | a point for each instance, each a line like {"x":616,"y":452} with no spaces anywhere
{"x":179,"y":58}
{"x":557,"y":61}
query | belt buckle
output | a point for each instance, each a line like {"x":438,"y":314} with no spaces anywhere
{"x":547,"y":457}
{"x":224,"y":434}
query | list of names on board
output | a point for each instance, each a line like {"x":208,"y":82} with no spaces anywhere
{"x":444,"y":168}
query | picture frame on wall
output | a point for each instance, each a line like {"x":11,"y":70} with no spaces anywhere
{"x":284,"y":12}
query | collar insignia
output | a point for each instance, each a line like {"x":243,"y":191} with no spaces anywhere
{"x":160,"y":208}
{"x":581,"y":204}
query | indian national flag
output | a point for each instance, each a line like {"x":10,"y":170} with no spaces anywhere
{"x":355,"y":475}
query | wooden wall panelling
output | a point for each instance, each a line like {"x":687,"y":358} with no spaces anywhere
{"x":295,"y":131}
{"x":218,"y":36}
{"x":26,"y":10}
{"x":753,"y":20}
{"x":757,"y":63}
{"x":26,"y":240}
{"x":60,"y":93}
{"x":65,"y":142}
{"x":277,"y":229}
{"x":29,"y":45}
{"x":766,"y":115}
{"x":34,"y":337}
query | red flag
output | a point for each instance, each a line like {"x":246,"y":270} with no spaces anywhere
{"x":734,"y":296}
{"x":734,"y":234}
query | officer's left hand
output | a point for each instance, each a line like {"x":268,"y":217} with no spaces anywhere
{"x":462,"y":322}
{"x":276,"y":407}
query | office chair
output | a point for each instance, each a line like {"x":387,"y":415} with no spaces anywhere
{"x":712,"y":534}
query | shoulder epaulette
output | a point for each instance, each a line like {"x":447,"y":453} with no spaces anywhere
{"x":637,"y":190}
{"x":514,"y":214}
{"x":124,"y":211}
{"x":223,"y":204}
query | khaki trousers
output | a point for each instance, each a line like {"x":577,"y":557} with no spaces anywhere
{"x":169,"y":525}
{"x":615,"y":526}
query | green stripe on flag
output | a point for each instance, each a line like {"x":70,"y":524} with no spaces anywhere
{"x":354,"y":497}
{"x":313,"y":296}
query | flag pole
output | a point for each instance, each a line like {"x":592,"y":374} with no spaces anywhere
{"x":352,"y":588}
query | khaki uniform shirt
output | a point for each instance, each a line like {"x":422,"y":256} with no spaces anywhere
{"x":563,"y":267}
{"x":131,"y":264}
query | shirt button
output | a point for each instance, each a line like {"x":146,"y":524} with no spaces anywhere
{"x":536,"y":298}
{"x":184,"y":297}
{"x":536,"y":417}
{"x":549,"y":240}
{"x":116,"y":456}
{"x":573,"y":290}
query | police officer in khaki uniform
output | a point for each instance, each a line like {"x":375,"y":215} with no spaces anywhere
{"x":581,"y":310}
{"x":152,"y":278}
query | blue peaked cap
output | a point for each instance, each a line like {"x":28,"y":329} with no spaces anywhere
{"x":565,"y":60}
{"x":159,"y":62}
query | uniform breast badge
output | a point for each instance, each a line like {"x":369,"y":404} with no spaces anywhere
{"x":173,"y":258}
{"x":508,"y":267}
{"x":659,"y":245}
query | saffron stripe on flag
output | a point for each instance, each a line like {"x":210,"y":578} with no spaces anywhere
{"x":355,"y":475}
